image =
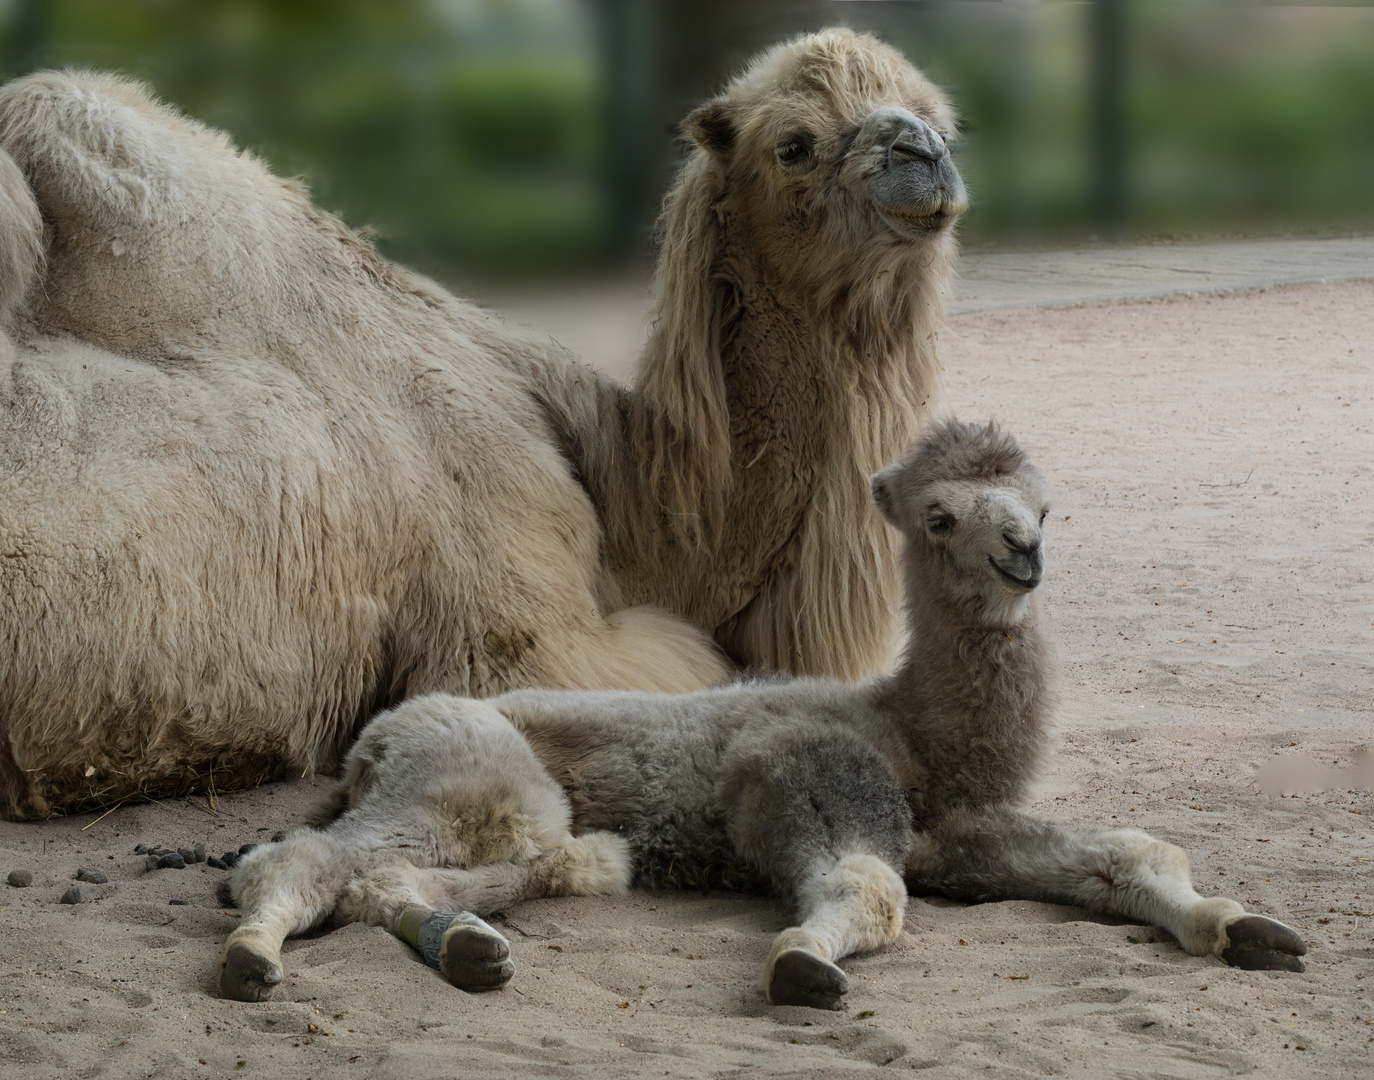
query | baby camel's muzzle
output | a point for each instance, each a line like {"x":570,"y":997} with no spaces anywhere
{"x":1023,"y":566}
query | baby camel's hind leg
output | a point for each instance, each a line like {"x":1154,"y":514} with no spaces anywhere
{"x":821,"y":815}
{"x":284,"y":888}
{"x":432,"y":910}
{"x":1000,"y":854}
{"x":437,"y":910}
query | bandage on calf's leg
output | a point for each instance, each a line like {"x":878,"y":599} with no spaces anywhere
{"x":423,"y":930}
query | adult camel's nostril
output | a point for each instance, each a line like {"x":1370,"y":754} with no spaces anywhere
{"x":917,"y":140}
{"x":1017,"y":544}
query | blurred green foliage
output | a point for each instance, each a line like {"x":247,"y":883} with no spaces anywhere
{"x":465,"y":133}
{"x":469,"y":132}
{"x":1239,"y":117}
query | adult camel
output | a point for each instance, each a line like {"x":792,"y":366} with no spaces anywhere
{"x":258,"y":482}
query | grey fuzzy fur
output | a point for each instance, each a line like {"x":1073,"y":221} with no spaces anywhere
{"x":827,"y":794}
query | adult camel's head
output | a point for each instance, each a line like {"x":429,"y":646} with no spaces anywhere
{"x":832,"y":153}
{"x":819,"y":178}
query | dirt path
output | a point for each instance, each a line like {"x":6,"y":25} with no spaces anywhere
{"x":1212,"y":581}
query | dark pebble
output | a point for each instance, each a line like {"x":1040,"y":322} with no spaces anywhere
{"x":20,"y":879}
{"x":71,"y":896}
{"x":218,"y":864}
{"x":278,"y":837}
{"x":91,"y":877}
{"x":199,"y":852}
{"x":247,"y":848}
{"x":188,"y":855}
{"x":142,"y":849}
{"x":179,"y":903}
{"x":171,"y":862}
{"x":230,"y":859}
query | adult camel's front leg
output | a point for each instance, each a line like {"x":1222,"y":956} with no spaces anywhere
{"x":1000,"y":854}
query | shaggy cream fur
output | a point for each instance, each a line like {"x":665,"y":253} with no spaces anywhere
{"x":263,"y":482}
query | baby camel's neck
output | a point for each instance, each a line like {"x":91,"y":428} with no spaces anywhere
{"x":970,"y":700}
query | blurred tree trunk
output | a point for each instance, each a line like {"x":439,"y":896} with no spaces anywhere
{"x":659,"y":59}
{"x":28,"y":37}
{"x":1107,"y":36}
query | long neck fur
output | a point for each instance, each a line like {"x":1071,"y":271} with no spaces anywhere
{"x":970,"y":700}
{"x":732,"y":480}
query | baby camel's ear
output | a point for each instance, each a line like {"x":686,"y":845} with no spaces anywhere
{"x":881,"y":484}
{"x":711,"y":128}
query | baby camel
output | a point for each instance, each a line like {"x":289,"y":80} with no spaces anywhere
{"x":828,"y":794}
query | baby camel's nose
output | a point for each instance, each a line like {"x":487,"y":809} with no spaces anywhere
{"x":1023,"y":545}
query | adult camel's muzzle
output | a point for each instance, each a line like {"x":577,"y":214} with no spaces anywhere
{"x":916,"y":182}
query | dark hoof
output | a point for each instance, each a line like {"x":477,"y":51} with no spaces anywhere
{"x":1260,"y":944}
{"x":246,"y":975}
{"x":799,"y":978}
{"x":475,"y":959}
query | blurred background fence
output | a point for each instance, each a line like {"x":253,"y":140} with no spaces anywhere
{"x":501,"y":139}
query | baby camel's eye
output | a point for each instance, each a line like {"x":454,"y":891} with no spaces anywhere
{"x":1043,"y":514}
{"x":939,"y":524}
{"x":795,"y":150}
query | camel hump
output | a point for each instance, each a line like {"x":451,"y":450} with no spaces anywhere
{"x":103,"y":154}
{"x":21,"y":239}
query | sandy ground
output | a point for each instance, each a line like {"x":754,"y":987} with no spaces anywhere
{"x":1210,"y":579}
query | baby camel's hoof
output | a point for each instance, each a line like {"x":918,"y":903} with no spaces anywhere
{"x":475,"y":958}
{"x":1259,"y":944}
{"x":802,"y":978}
{"x":246,"y":975}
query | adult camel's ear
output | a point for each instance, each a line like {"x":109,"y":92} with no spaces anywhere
{"x":711,"y":128}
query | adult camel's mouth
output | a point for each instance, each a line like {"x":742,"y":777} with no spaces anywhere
{"x":924,"y":220}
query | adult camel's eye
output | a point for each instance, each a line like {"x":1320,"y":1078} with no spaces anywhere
{"x":795,"y":150}
{"x":1043,"y":514}
{"x":940,"y":524}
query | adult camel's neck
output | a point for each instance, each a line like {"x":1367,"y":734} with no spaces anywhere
{"x":822,"y":385}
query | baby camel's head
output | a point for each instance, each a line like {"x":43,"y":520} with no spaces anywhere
{"x":971,"y":508}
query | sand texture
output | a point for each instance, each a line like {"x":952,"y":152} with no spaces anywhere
{"x":1211,"y":583}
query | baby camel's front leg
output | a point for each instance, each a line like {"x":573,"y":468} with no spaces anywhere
{"x":853,"y":906}
{"x":818,"y":812}
{"x":1000,"y":854}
